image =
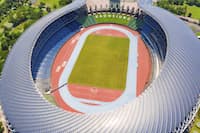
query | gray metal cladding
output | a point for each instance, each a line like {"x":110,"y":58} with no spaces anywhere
{"x":161,"y":108}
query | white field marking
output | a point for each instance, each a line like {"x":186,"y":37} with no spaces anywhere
{"x":73,"y":41}
{"x":94,"y":90}
{"x":77,"y":37}
{"x":58,"y":69}
{"x":130,"y":91}
{"x":64,"y":63}
{"x":92,"y":101}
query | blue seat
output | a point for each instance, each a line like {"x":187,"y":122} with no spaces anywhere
{"x":46,"y":50}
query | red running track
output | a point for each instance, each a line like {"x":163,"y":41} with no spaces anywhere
{"x":110,"y":32}
{"x":143,"y":73}
{"x":94,"y":93}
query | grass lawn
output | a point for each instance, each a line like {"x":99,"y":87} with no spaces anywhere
{"x":194,"y":10}
{"x":195,"y":128}
{"x":3,"y":55}
{"x":112,"y":18}
{"x":1,"y":1}
{"x":102,"y":62}
{"x":198,"y":33}
{"x":50,"y":3}
{"x":1,"y":30}
{"x":50,"y":98}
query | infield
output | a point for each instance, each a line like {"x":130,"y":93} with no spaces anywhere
{"x":102,"y":62}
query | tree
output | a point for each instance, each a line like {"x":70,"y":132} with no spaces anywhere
{"x":42,"y":5}
{"x":174,"y":6}
{"x":190,"y":14}
{"x":1,"y":127}
{"x":181,"y":10}
{"x":4,"y":46}
{"x":176,"y":2}
{"x":48,"y":9}
{"x":27,"y":24}
{"x":54,"y":6}
{"x":193,"y":2}
{"x":64,"y":2}
{"x":29,"y":3}
{"x":199,"y":22}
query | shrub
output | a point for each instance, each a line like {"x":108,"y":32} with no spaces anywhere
{"x":190,"y":14}
{"x":1,"y":127}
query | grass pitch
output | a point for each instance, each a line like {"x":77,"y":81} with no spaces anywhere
{"x":102,"y":62}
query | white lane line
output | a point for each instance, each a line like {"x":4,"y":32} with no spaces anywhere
{"x":58,"y":69}
{"x":130,"y":90}
{"x":92,"y":101}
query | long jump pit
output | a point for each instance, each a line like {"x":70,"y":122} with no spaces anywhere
{"x":100,"y":68}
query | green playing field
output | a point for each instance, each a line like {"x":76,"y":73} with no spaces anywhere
{"x":102,"y":62}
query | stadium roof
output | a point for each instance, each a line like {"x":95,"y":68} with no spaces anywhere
{"x":161,"y":108}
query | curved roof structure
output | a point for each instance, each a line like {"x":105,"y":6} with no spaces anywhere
{"x":161,"y":108}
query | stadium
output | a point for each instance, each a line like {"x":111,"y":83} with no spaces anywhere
{"x":103,"y":66}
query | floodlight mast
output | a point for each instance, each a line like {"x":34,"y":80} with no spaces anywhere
{"x":54,"y":90}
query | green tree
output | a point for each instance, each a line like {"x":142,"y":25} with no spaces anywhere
{"x":64,"y":2}
{"x":175,"y":6}
{"x":190,"y":14}
{"x":178,"y":2}
{"x":1,"y":127}
{"x":4,"y":46}
{"x":42,"y":5}
{"x":180,"y":10}
{"x":48,"y":9}
{"x":54,"y":6}
{"x":193,"y":2}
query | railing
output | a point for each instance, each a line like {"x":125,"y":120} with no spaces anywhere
{"x":189,"y":119}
